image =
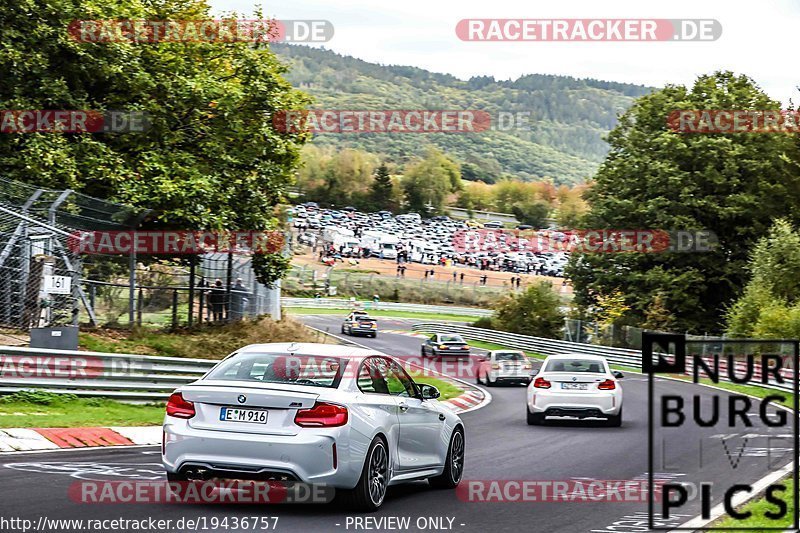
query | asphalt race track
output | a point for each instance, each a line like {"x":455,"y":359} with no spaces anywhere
{"x":500,"y":446}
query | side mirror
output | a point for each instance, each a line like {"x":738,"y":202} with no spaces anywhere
{"x":429,"y":392}
{"x":618,"y":374}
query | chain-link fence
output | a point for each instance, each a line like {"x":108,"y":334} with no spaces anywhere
{"x":48,"y":279}
{"x":224,"y":289}
{"x":619,"y":336}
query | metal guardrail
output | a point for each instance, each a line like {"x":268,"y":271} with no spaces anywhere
{"x":118,"y":376}
{"x":151,"y":378}
{"x":619,"y":356}
{"x":343,"y":303}
{"x":616,"y":356}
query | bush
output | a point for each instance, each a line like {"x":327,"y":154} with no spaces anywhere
{"x":484,"y":322}
{"x":536,"y":311}
{"x":38,"y":397}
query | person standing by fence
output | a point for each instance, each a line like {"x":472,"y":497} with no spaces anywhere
{"x":238,"y":300}
{"x":216,"y":298}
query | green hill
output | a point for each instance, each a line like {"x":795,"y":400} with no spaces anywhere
{"x":568,"y":116}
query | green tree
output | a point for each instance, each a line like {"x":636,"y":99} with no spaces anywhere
{"x":427,"y":183}
{"x":772,"y":295}
{"x":382,"y":189}
{"x":211,"y":158}
{"x":654,"y":178}
{"x":775,"y":262}
{"x":535,"y":311}
{"x":532,"y":213}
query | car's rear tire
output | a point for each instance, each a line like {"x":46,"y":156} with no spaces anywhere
{"x":489,"y":382}
{"x":342,"y":330}
{"x":534,"y":419}
{"x":453,"y":464}
{"x":374,"y":335}
{"x":422,"y":351}
{"x":615,"y":421}
{"x":478,"y":376}
{"x":373,"y":482}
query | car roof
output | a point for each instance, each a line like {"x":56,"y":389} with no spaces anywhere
{"x":310,"y":348}
{"x":576,"y":355}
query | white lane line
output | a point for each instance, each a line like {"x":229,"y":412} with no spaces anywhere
{"x":87,"y":448}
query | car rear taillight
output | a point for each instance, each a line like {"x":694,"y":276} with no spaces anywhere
{"x":322,"y":415}
{"x":442,"y":346}
{"x":607,"y":385}
{"x":178,"y":407}
{"x":541,"y":383}
{"x":495,"y":367}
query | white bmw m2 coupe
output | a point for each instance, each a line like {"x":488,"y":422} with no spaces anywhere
{"x":572,"y":385}
{"x":348,"y":418}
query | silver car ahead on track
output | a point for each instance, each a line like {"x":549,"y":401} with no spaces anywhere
{"x":348,"y":418}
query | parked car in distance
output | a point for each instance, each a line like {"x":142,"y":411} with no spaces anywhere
{"x":503,"y":366}
{"x":445,"y":344}
{"x":347,"y":418}
{"x":360,"y":323}
{"x":575,"y":385}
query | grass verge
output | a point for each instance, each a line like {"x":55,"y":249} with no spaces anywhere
{"x":757,"y":522}
{"x":381,"y":312}
{"x":212,"y":341}
{"x":446,"y":389}
{"x":36,"y":409}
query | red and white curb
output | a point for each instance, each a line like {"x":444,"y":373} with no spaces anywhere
{"x":405,"y":332}
{"x":468,"y":401}
{"x":23,"y":439}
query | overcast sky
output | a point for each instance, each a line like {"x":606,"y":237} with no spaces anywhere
{"x":758,"y":38}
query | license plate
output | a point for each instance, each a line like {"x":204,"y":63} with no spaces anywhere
{"x":235,"y":414}
{"x":573,"y":386}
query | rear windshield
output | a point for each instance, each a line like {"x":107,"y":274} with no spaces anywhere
{"x":509,"y":356}
{"x":575,"y":365}
{"x":313,"y":370}
{"x":452,"y":338}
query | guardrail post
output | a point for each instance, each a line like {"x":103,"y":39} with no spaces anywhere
{"x":175,"y":309}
